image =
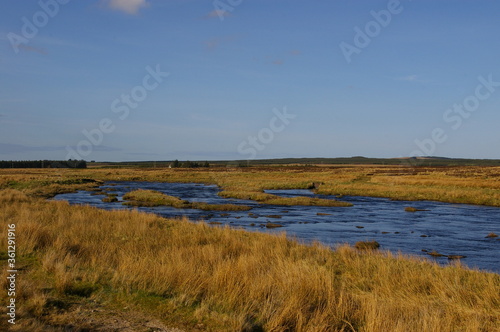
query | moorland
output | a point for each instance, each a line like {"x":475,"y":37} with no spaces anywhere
{"x":85,"y":268}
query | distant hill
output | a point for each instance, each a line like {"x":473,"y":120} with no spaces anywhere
{"x":357,"y":160}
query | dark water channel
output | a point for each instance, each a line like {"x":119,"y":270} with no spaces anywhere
{"x":450,"y":229}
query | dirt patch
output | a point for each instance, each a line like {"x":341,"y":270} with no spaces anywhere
{"x":92,"y":316}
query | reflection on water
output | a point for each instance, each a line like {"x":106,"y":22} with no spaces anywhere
{"x":450,"y":229}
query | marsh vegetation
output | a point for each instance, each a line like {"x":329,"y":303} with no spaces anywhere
{"x":150,"y":198}
{"x":199,"y":277}
{"x":189,"y":274}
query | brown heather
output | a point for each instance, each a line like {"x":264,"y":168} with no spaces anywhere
{"x":203,"y":278}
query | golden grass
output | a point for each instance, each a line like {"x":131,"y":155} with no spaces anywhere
{"x":367,"y":245}
{"x":465,"y":184}
{"x":220,"y":279}
{"x":265,"y":198}
{"x":155,"y":198}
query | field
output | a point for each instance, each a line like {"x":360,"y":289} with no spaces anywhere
{"x":86,"y":268}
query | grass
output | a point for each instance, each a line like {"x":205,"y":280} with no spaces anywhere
{"x":465,"y":184}
{"x":203,"y":278}
{"x":110,"y":198}
{"x":155,"y":198}
{"x":367,"y":245}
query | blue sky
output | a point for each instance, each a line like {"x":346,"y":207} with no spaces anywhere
{"x":234,"y":68}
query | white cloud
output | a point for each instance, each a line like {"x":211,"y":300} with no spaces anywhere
{"x":413,"y":78}
{"x":214,"y":43}
{"x":410,"y":78}
{"x":220,"y":13}
{"x":128,"y":6}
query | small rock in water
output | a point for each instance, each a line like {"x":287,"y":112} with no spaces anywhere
{"x":412,"y":209}
{"x":456,"y":256}
{"x":272,"y":225}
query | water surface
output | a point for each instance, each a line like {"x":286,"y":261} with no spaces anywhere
{"x":450,"y":229}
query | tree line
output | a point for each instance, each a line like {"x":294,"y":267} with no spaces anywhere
{"x":189,"y":164}
{"x":43,"y":164}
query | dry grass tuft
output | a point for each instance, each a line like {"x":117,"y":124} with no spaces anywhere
{"x":155,"y":198}
{"x":367,"y":245}
{"x":110,"y":199}
{"x":265,"y":198}
{"x":435,"y":254}
{"x":273,"y":225}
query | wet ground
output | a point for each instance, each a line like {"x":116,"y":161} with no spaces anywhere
{"x":450,"y":229}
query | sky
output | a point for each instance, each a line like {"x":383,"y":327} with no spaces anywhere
{"x":131,"y":80}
